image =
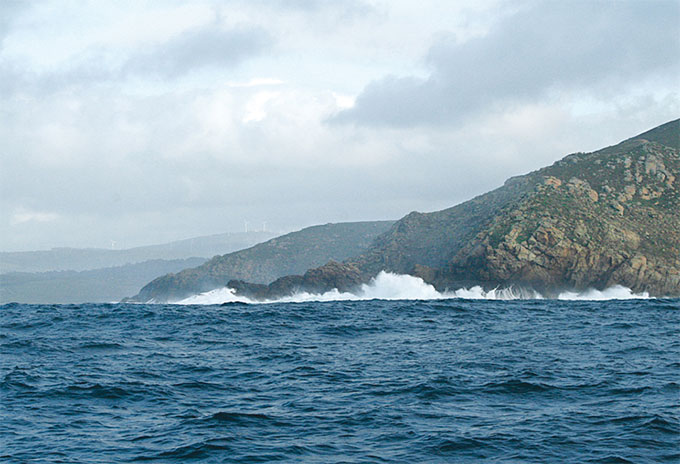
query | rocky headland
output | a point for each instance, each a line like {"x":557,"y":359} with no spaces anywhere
{"x":591,"y":220}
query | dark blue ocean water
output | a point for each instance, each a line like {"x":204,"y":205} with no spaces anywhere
{"x":368,"y":381}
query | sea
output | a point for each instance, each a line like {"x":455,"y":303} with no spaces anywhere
{"x":436,"y":380}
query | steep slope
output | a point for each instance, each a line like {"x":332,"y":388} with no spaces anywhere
{"x":594,"y":220}
{"x":289,"y":254}
{"x":589,"y":220}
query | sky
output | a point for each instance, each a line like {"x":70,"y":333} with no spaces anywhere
{"x":142,"y":122}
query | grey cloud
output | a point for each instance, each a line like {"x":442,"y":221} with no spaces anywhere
{"x":116,"y":174}
{"x":600,"y":46}
{"x":108,"y":164}
{"x":209,"y":46}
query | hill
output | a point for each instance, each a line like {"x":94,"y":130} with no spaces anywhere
{"x":94,"y":286}
{"x":81,"y":259}
{"x":591,"y":220}
{"x":289,"y":254}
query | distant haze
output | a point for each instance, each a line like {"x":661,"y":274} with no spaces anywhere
{"x":163,"y":120}
{"x":79,"y":259}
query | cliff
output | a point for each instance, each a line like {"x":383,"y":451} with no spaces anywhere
{"x":591,"y":220}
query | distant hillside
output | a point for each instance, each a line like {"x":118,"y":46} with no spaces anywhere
{"x":288,"y":254}
{"x":590,"y":220}
{"x":96,"y":286}
{"x":80,"y":259}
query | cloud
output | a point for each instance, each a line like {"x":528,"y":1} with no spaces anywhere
{"x":213,"y":47}
{"x":145,"y":169}
{"x":255,"y":82}
{"x":256,"y":109}
{"x":23,"y":215}
{"x":209,"y":46}
{"x":545,"y":47}
{"x":343,"y":8}
{"x":196,"y":124}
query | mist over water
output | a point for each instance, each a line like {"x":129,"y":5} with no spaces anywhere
{"x":390,"y":286}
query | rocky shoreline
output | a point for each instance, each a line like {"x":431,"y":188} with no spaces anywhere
{"x":591,"y":220}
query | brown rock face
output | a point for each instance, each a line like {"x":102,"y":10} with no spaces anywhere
{"x":333,"y":275}
{"x":592,"y":220}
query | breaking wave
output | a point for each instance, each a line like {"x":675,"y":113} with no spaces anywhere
{"x":389,"y":286}
{"x":617,"y":292}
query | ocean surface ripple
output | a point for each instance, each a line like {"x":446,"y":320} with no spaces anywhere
{"x":342,"y":381}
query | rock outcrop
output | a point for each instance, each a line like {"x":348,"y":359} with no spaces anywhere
{"x":333,"y":275}
{"x":591,"y":220}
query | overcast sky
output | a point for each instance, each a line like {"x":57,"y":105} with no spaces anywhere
{"x":141,"y":122}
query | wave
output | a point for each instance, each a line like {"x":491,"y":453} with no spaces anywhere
{"x":390,"y":286}
{"x":617,"y":292}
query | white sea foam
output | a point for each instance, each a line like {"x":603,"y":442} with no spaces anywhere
{"x":389,"y":286}
{"x":217,"y":296}
{"x":617,"y":292}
